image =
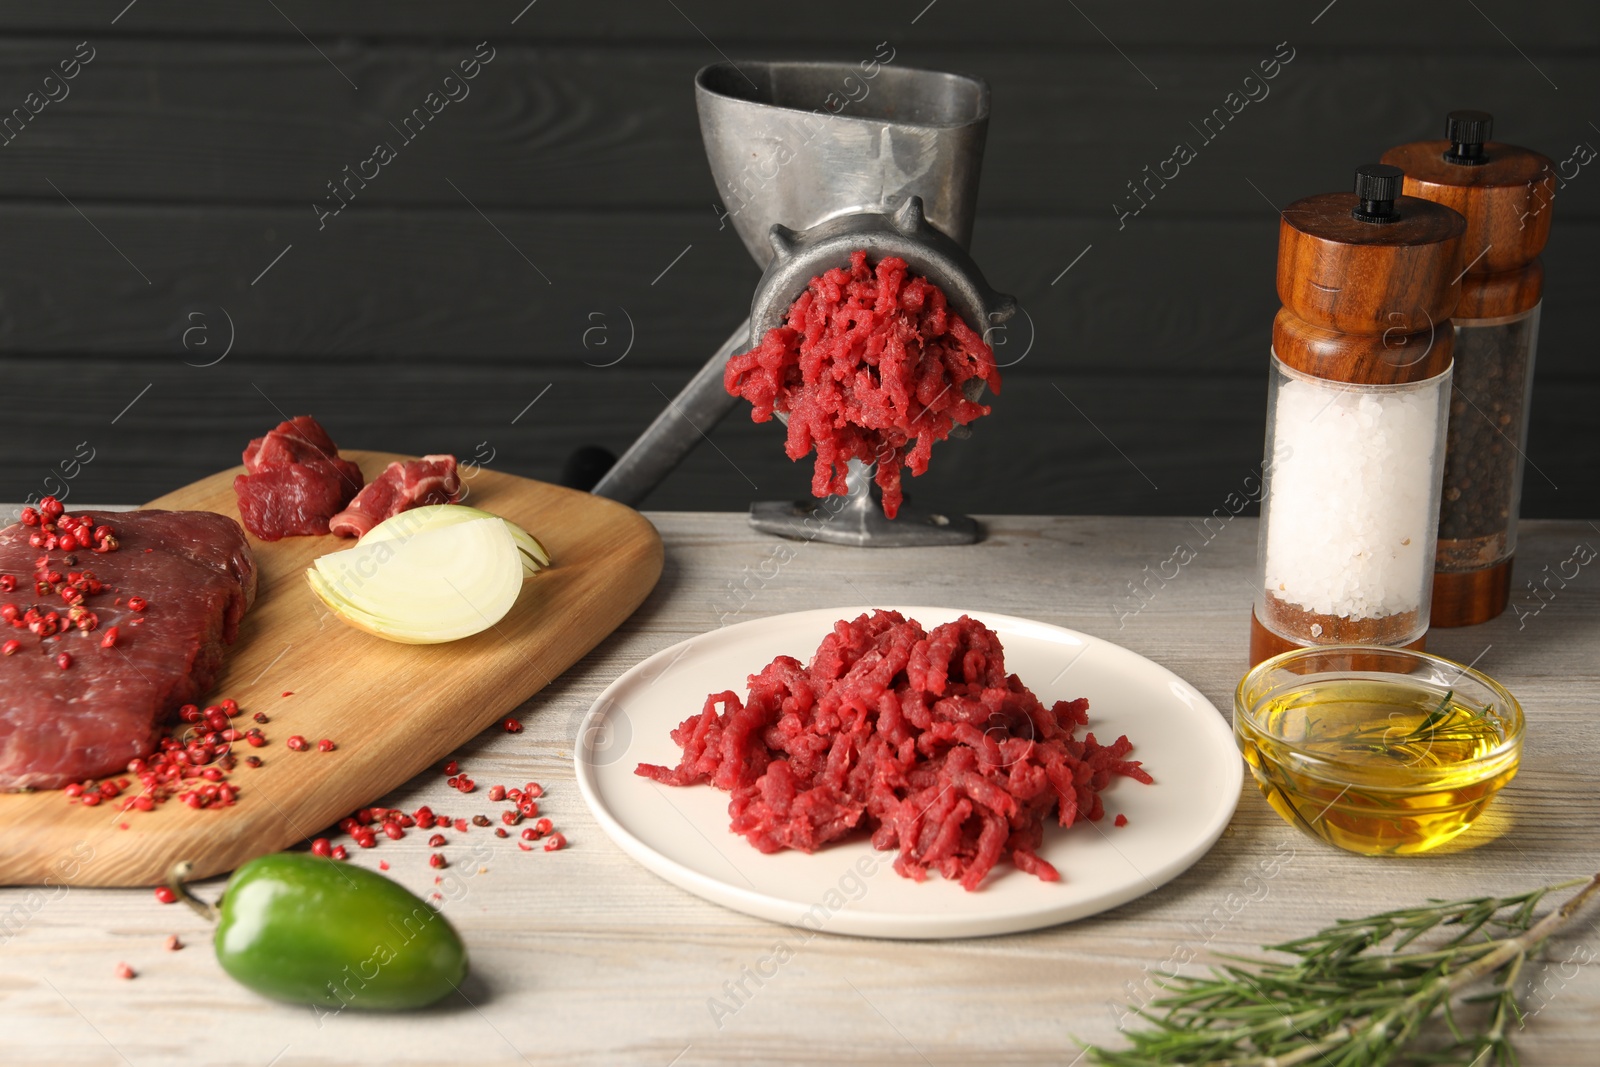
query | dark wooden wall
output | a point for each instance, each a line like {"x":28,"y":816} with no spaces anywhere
{"x":138,"y":214}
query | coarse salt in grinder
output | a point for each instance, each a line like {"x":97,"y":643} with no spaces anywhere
{"x":1506,"y":194}
{"x":1356,"y":412}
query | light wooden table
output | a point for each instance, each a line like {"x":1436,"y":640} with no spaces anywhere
{"x":582,"y":956}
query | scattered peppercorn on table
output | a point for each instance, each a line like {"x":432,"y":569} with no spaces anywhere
{"x":580,"y":955}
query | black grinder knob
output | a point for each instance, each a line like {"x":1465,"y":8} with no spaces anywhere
{"x":1377,"y":188}
{"x":1467,"y":132}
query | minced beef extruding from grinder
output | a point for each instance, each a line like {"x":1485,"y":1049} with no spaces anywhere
{"x":869,"y":365}
{"x":921,"y":737}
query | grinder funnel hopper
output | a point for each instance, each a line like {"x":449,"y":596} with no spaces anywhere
{"x":779,"y":155}
{"x":813,"y":160}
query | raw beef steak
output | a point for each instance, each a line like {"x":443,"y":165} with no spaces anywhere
{"x":195,"y":572}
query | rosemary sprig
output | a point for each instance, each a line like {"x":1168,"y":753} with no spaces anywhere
{"x":1424,"y":729}
{"x":1358,"y":993}
{"x":1428,"y":730}
{"x":1440,"y":726}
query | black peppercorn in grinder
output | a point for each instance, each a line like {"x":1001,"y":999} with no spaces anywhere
{"x":1506,"y":194}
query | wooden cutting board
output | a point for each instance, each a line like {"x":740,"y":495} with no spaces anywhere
{"x":391,"y":709}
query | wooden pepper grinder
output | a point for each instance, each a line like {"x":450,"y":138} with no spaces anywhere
{"x":1356,"y":413}
{"x":1506,"y":194}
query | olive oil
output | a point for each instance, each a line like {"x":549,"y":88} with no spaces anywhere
{"x":1379,"y":767}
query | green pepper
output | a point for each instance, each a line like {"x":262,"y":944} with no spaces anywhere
{"x":302,"y":928}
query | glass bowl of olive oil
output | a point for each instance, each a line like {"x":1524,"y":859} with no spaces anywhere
{"x":1379,"y":751}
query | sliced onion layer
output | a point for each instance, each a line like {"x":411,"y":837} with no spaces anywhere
{"x":435,"y":516}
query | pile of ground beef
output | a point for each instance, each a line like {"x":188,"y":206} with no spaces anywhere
{"x":920,"y":737}
{"x":869,"y":365}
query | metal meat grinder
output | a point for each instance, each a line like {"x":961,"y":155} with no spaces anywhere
{"x":894,"y":172}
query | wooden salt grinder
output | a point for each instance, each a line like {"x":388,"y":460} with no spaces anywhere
{"x":1368,"y":284}
{"x":1506,"y":194}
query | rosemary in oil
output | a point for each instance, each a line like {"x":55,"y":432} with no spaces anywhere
{"x":1378,"y":766}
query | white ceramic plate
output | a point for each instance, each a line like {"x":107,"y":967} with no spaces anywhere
{"x":849,"y":888}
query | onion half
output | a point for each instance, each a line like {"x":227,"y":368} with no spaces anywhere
{"x":425,"y":585}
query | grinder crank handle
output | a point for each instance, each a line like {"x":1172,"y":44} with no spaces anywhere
{"x":687,"y":418}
